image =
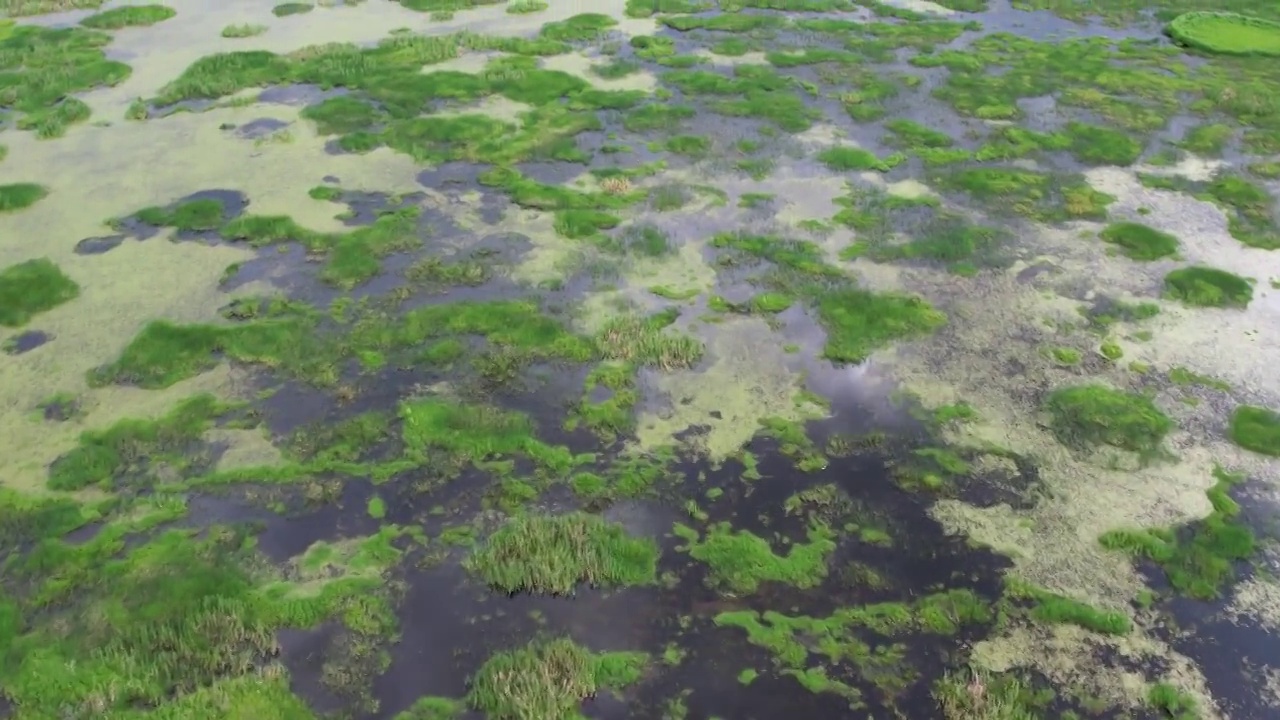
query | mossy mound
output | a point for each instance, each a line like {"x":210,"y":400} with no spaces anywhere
{"x":1092,"y":415}
{"x":20,"y":195}
{"x":1140,"y":242}
{"x":30,"y":288}
{"x":1257,"y":429}
{"x":1208,"y":287}
{"x":129,"y":16}
{"x":1225,"y":33}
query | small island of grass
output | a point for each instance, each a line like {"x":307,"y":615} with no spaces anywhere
{"x":1225,"y":33}
{"x":1208,"y":287}
{"x":129,"y":16}
{"x":1139,"y":242}
{"x":30,"y":288}
{"x":1257,"y":429}
{"x":1090,"y":415}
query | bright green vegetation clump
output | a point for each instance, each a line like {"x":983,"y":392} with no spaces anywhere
{"x":846,"y":641}
{"x":1140,"y":242}
{"x":21,"y":195}
{"x":1171,"y":702}
{"x":1091,"y":415}
{"x":43,"y":69}
{"x":1050,"y":607}
{"x":1226,"y":33}
{"x":129,"y":16}
{"x":1208,"y":287}
{"x":552,"y":555}
{"x":292,"y":8}
{"x":548,"y":680}
{"x":845,"y":159}
{"x":1198,"y":560}
{"x":912,"y":135}
{"x":243,"y":30}
{"x":171,"y":621}
{"x":859,"y":322}
{"x":1257,"y":429}
{"x":32,"y":287}
{"x":739,"y":561}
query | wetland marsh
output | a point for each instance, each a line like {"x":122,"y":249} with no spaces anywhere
{"x":737,"y":359}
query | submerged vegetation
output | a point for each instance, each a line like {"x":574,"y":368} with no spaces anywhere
{"x":515,"y":379}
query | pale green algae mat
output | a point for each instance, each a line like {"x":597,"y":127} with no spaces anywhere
{"x":652,"y":359}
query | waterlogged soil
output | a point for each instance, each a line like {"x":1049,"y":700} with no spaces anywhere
{"x":654,"y":359}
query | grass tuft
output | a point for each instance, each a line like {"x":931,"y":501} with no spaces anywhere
{"x":548,"y":680}
{"x":553,"y":555}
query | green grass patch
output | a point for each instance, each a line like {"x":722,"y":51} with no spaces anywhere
{"x":19,"y":196}
{"x":739,"y":561}
{"x":1140,"y":242}
{"x":44,"y":68}
{"x":1201,"y":286}
{"x":129,"y":16}
{"x":553,"y":555}
{"x":292,"y":8}
{"x":1256,"y":428}
{"x":174,"y":621}
{"x":1085,"y":416}
{"x":243,"y":30}
{"x":1226,"y":33}
{"x":1170,"y":702}
{"x":548,"y":680}
{"x":846,"y":159}
{"x":32,"y":287}
{"x":1198,"y":560}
